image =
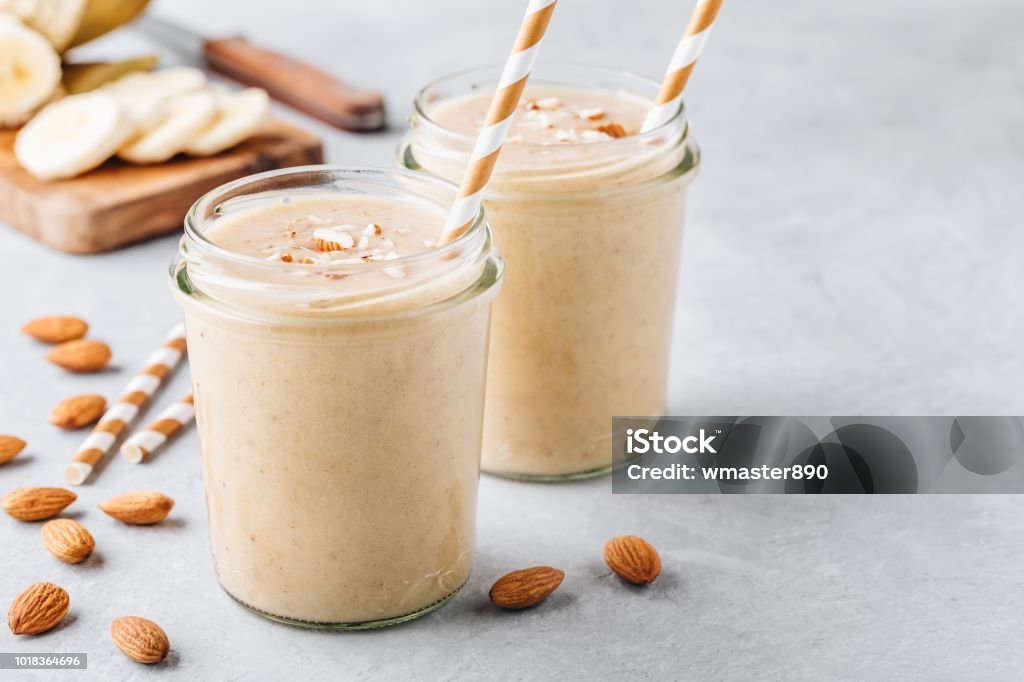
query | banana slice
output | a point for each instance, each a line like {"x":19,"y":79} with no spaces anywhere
{"x":71,"y":136}
{"x":29,"y":72}
{"x":186,"y":116}
{"x":56,"y":20}
{"x":239,"y":115}
{"x":144,"y":95}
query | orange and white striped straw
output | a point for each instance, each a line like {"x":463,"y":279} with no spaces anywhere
{"x":117,"y":418}
{"x":141,"y":444}
{"x":503,"y":105}
{"x":666,"y":104}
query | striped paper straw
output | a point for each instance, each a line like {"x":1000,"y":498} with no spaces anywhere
{"x":116,"y":419}
{"x":492,"y":136}
{"x":697,"y":31}
{"x":142,"y":444}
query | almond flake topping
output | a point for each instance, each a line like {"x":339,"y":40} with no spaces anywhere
{"x":612,"y":129}
{"x":591,"y":114}
{"x":332,"y":239}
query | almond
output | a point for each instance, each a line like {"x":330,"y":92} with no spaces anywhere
{"x":140,"y":639}
{"x":83,"y":355}
{"x":36,"y":504}
{"x":138,"y":509}
{"x":56,"y":329}
{"x":78,"y":411}
{"x":38,"y":609}
{"x":525,"y":588}
{"x":10,"y":446}
{"x":68,"y":540}
{"x":330,"y":239}
{"x":612,"y":129}
{"x":634,"y":559}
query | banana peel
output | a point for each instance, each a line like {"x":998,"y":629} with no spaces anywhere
{"x":103,"y":16}
{"x":86,"y":76}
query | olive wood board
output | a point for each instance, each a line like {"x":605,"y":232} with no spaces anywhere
{"x":119,"y":203}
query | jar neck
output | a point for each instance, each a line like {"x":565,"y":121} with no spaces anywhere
{"x":257,"y":288}
{"x":563,"y":168}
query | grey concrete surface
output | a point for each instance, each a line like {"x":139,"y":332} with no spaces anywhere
{"x":854,"y":246}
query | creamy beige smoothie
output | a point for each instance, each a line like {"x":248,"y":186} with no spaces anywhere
{"x":588,"y":214}
{"x":338,"y":363}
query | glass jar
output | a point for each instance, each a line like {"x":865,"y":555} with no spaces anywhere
{"x":339,"y":411}
{"x":591,"y":235}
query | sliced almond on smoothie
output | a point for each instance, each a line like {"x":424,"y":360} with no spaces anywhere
{"x":332,"y":239}
{"x":613,"y":129}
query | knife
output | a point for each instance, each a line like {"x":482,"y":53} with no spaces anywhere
{"x":295,"y":83}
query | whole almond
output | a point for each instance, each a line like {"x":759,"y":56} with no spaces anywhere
{"x":140,"y":639}
{"x":634,"y":559}
{"x":525,"y":588}
{"x":138,"y":509}
{"x":36,"y":504}
{"x":83,"y":355}
{"x":38,"y":609}
{"x":10,"y":446}
{"x":78,"y":411}
{"x":56,"y":329}
{"x":68,"y":540}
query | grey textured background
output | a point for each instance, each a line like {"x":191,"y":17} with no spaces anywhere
{"x":853,"y":247}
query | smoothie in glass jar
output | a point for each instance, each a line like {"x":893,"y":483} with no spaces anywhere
{"x":338,"y":361}
{"x":588,"y":213}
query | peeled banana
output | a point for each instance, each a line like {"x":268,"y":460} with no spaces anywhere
{"x":143,"y":117}
{"x":239,"y":115}
{"x":186,"y":116}
{"x":72,"y":136}
{"x":29,"y":71}
{"x":143,"y":95}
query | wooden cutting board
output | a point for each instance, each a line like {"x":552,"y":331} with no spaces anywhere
{"x":118,"y":203}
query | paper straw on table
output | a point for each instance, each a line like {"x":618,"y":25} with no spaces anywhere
{"x":666,"y":104}
{"x":116,"y":419}
{"x":141,"y":444}
{"x":492,"y":135}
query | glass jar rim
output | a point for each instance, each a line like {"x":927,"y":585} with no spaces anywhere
{"x":196,"y":237}
{"x":419,"y":105}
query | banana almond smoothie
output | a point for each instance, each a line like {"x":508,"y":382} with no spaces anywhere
{"x":338,"y":362}
{"x":588,"y":213}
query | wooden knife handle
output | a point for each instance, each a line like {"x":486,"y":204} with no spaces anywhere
{"x":300,"y":85}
